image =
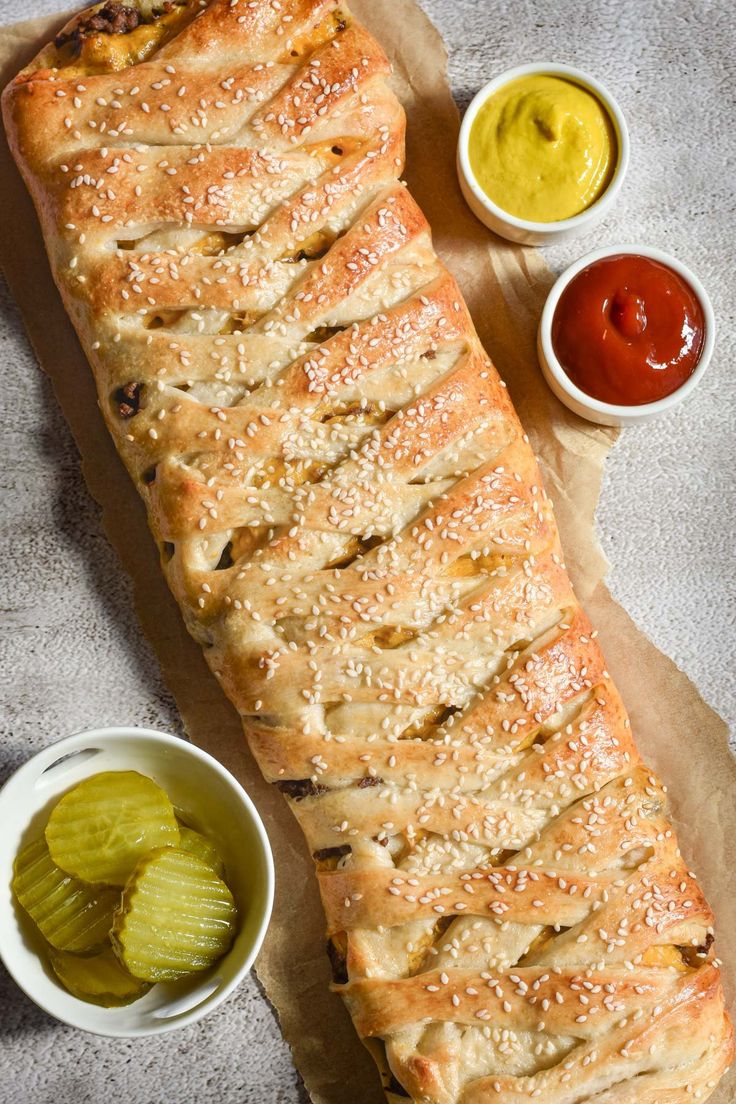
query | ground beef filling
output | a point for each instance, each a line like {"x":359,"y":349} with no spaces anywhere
{"x":113,"y":18}
{"x":128,"y":399}
{"x":299,"y":788}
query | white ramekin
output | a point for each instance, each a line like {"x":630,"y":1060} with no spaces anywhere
{"x":609,"y":413}
{"x":521,"y":230}
{"x":211,"y":800}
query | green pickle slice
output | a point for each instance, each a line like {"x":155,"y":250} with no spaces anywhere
{"x":176,"y":917}
{"x":99,"y":979}
{"x":101,"y":829}
{"x":70,"y":915}
{"x":197,"y":844}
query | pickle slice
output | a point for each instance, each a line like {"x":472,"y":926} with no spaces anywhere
{"x":69,"y":914}
{"x":102,"y":827}
{"x":99,"y":979}
{"x":176,"y":917}
{"x":197,"y":844}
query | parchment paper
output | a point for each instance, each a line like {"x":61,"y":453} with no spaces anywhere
{"x":505,"y":286}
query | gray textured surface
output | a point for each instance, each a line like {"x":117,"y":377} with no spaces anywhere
{"x":73,"y":649}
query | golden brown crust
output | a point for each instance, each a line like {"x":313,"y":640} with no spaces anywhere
{"x":355,"y":528}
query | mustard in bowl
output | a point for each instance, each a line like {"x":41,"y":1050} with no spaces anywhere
{"x":542,"y":153}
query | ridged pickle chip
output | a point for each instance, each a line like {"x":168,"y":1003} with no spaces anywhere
{"x":199,"y":845}
{"x":99,"y":979}
{"x":176,"y":917}
{"x":101,"y":829}
{"x":72,"y":916}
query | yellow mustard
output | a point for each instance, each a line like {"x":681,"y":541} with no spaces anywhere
{"x":543,"y":148}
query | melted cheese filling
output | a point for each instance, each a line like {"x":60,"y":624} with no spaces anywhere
{"x":108,"y":52}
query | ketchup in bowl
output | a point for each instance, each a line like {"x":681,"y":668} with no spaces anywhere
{"x":628,"y":330}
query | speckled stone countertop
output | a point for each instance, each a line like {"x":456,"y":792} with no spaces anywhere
{"x":74,"y":656}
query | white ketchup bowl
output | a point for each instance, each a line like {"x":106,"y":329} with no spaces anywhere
{"x":578,"y":400}
{"x":209,"y":798}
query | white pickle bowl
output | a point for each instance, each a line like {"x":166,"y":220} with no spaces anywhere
{"x":209,"y":799}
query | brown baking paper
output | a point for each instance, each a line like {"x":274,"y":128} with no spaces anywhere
{"x":505,"y":286}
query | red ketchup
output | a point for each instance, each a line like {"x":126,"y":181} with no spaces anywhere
{"x":628,"y":330}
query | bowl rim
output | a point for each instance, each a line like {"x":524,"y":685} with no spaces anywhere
{"x":617,"y":410}
{"x":604,"y":200}
{"x":45,"y":758}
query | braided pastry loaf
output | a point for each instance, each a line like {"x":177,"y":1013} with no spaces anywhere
{"x":353,"y":523}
